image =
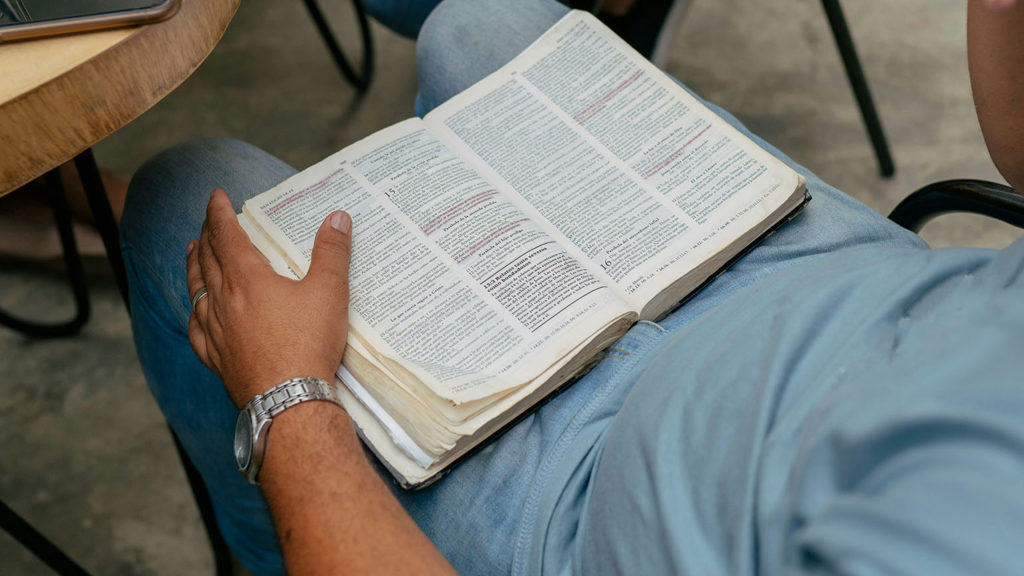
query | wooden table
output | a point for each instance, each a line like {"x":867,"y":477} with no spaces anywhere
{"x":61,"y":95}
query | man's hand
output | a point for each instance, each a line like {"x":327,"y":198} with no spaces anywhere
{"x":256,"y":329}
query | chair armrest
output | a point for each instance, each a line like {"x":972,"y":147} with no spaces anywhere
{"x":974,"y":196}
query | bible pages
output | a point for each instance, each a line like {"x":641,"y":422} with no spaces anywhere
{"x":504,"y":240}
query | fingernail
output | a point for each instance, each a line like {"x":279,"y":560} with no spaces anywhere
{"x":191,"y":246}
{"x":341,"y":222}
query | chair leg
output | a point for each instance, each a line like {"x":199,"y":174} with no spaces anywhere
{"x":221,"y":554}
{"x":361,"y":80}
{"x":860,"y":85}
{"x":62,"y":564}
{"x":36,"y":543}
{"x":72,"y":266}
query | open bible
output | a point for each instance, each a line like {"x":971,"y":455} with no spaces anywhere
{"x":508,"y":237}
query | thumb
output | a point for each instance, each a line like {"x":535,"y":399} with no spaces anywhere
{"x":332,"y":250}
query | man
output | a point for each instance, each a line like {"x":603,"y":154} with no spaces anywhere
{"x":843,"y":399}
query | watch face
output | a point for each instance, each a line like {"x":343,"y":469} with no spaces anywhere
{"x":243,"y":440}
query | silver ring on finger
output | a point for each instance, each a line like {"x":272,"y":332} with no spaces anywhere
{"x":199,"y":295}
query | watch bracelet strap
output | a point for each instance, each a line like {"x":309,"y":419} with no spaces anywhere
{"x":295,"y":391}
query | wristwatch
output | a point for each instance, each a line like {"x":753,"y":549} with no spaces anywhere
{"x":255,"y":418}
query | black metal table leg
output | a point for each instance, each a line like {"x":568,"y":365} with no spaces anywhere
{"x":361,"y":80}
{"x":860,"y":85}
{"x":103,"y":216}
{"x":72,"y":266}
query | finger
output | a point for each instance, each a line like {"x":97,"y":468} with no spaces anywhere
{"x":332,"y":251}
{"x":209,"y":263}
{"x":230,"y":244}
{"x":193,"y":273}
{"x":197,"y":338}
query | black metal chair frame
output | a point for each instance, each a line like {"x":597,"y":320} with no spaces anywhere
{"x":72,"y":267}
{"x":973,"y":196}
{"x":361,"y":79}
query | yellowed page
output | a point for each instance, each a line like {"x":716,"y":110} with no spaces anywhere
{"x":636,"y":175}
{"x":452,"y":285}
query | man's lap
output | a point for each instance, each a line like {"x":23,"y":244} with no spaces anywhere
{"x":482,"y":499}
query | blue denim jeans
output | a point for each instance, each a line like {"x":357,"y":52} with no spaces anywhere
{"x":480,"y":514}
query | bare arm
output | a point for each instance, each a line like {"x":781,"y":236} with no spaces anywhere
{"x":333,"y":514}
{"x":995,"y":55}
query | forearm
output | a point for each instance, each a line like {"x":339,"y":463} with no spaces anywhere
{"x":254,"y":329}
{"x":995,"y":51}
{"x":333,"y":513}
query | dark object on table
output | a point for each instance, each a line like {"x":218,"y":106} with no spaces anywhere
{"x":21,"y":19}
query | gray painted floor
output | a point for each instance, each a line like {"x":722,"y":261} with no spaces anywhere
{"x":86,"y":456}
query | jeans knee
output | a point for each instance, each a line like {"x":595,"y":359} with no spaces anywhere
{"x":160,"y":175}
{"x":175,"y":185}
{"x":168,"y":194}
{"x":463,"y":41}
{"x":442,"y":38}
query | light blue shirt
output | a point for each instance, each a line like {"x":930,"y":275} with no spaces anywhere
{"x":860,"y":413}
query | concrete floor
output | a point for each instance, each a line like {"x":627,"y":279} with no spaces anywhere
{"x":86,"y":455}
